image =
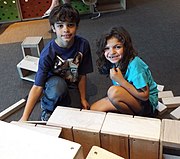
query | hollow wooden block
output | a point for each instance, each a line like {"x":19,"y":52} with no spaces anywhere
{"x":145,"y":138}
{"x":100,"y":153}
{"x":18,"y":142}
{"x":28,"y":67}
{"x":114,"y":134}
{"x":175,"y":114}
{"x":142,"y":133}
{"x":32,"y":42}
{"x":170,"y":136}
{"x":171,"y":102}
{"x":86,"y":125}
{"x":64,"y":117}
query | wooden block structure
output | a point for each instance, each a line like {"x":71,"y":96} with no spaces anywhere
{"x":100,"y":153}
{"x":170,"y":139}
{"x":18,"y":142}
{"x":32,"y":42}
{"x":85,"y":125}
{"x":131,"y":137}
{"x":175,"y":114}
{"x":28,"y":67}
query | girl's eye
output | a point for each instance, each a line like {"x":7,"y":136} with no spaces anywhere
{"x":118,"y":46}
{"x":106,"y":49}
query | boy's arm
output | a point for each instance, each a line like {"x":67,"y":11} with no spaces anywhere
{"x":82,"y":90}
{"x":33,"y":97}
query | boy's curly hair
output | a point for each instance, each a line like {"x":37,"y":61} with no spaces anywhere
{"x":64,"y":13}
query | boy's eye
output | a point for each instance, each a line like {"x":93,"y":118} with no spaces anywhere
{"x":60,"y":25}
{"x":71,"y":25}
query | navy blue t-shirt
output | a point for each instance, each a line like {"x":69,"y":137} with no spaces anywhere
{"x":65,"y":62}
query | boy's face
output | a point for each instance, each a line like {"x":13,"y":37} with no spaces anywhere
{"x":65,"y":31}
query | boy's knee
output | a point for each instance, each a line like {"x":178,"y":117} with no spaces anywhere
{"x":56,"y":87}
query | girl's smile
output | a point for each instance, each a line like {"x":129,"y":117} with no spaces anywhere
{"x":114,"y":50}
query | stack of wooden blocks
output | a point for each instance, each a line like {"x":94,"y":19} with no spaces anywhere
{"x":168,"y":102}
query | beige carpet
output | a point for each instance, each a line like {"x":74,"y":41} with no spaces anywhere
{"x":17,"y":32}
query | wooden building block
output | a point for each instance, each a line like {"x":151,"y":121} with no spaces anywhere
{"x":165,"y":94}
{"x":114,"y":134}
{"x":32,"y":42}
{"x":19,"y":142}
{"x":175,"y":114}
{"x":64,"y":117}
{"x":144,"y":138}
{"x":170,"y":136}
{"x":86,"y":125}
{"x":161,"y":108}
{"x":160,"y":87}
{"x":28,"y":67}
{"x":100,"y":153}
{"x":142,"y":133}
{"x":171,"y":102}
{"x":13,"y":108}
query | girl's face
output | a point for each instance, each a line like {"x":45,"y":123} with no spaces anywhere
{"x":114,"y":50}
{"x":65,"y":32}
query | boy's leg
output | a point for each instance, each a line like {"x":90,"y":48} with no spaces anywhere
{"x":72,"y":99}
{"x":55,"y":89}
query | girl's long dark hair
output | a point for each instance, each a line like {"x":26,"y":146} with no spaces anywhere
{"x":129,"y":52}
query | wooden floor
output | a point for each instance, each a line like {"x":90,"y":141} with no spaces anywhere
{"x":17,"y":32}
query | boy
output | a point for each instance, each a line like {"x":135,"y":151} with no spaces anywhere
{"x":63,"y":65}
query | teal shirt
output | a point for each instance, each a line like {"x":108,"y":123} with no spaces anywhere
{"x":139,"y":75}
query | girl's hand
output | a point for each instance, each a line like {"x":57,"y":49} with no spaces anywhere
{"x":116,"y":75}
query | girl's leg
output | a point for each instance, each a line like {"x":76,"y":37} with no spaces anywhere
{"x":103,"y":105}
{"x":123,"y":100}
{"x":118,"y":100}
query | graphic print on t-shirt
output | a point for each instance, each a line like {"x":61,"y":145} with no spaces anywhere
{"x":68,"y":69}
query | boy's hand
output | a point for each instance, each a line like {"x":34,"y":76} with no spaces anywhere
{"x":85,"y":104}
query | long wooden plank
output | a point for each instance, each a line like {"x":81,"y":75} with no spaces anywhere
{"x":13,"y":108}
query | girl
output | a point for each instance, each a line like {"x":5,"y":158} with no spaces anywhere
{"x":134,"y":90}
